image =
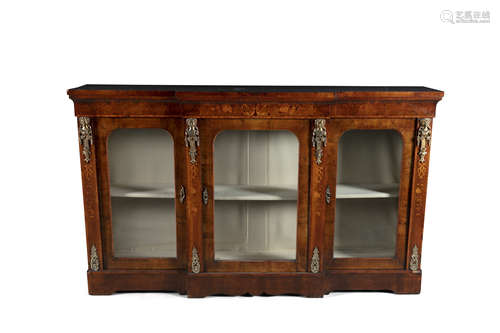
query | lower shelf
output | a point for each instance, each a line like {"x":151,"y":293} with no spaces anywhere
{"x":364,"y":253}
{"x":150,"y":251}
{"x":286,"y":254}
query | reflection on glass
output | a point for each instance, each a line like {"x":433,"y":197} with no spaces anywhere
{"x":255,"y":192}
{"x":366,"y":212}
{"x":141,"y":166}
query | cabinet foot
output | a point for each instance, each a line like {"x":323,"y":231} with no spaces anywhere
{"x":254,"y":284}
{"x":101,"y":292}
{"x":398,"y":282}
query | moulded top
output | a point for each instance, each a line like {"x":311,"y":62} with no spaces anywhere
{"x":197,"y":93}
{"x":249,"y":89}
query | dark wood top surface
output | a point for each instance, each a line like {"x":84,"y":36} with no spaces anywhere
{"x":250,"y":89}
{"x":252,"y":94}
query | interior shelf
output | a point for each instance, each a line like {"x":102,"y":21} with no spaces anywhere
{"x":367,"y":191}
{"x":255,"y":192}
{"x":258,"y":192}
{"x":158,"y":191}
{"x":222,"y":192}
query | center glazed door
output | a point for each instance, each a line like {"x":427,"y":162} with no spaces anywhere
{"x":255,"y":195}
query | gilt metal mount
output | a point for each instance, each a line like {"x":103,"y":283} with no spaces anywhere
{"x":415,"y":260}
{"x":192,"y":138}
{"x":423,"y":138}
{"x":204,"y":196}
{"x":319,"y":138}
{"x":182,"y":194}
{"x":94,"y":259}
{"x":85,"y":135}
{"x":195,"y":261}
{"x":315,"y":261}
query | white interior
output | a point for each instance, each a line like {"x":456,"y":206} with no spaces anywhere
{"x":143,"y":221}
{"x":256,"y":180}
{"x":255,"y":191}
{"x":369,"y":168}
{"x":143,"y":227}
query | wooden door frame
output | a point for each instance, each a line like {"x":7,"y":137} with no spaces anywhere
{"x":103,"y":128}
{"x":406,"y":128}
{"x":209,"y":128}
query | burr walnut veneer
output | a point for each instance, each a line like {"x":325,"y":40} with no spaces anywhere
{"x":237,"y":190}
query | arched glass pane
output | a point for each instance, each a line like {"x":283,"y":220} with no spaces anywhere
{"x":142,"y":177}
{"x":368,"y":176}
{"x":256,"y":180}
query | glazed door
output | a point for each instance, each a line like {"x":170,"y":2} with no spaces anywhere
{"x":142,"y":197}
{"x":255,"y":194}
{"x":367,"y":222}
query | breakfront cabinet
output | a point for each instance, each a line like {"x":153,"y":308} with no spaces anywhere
{"x":255,"y":190}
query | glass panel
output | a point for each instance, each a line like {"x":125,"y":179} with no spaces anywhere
{"x":366,"y":214}
{"x":142,"y":177}
{"x":255,"y":177}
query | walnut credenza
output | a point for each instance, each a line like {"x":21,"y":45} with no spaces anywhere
{"x":254,"y":190}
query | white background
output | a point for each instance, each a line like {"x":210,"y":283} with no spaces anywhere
{"x":50,"y":46}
